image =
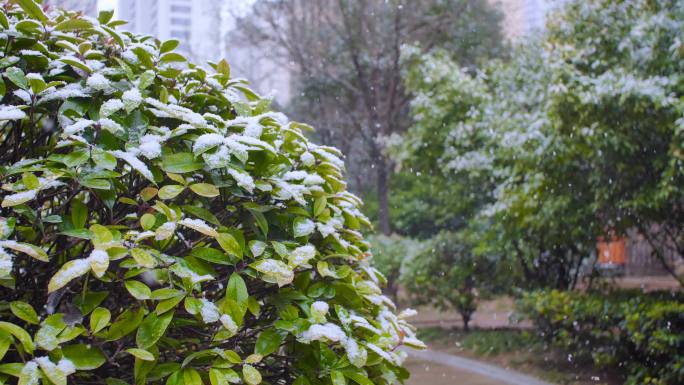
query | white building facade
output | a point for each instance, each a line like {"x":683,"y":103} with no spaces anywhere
{"x":525,"y":17}
{"x":88,"y":7}
{"x":195,"y":23}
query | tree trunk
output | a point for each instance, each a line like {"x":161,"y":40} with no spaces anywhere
{"x":466,"y":322}
{"x":383,"y":195}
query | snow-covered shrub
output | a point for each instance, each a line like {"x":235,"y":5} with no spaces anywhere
{"x":160,"y":225}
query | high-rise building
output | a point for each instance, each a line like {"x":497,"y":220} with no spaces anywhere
{"x":88,"y":7}
{"x":204,"y":29}
{"x":525,"y":17}
{"x":196,"y":24}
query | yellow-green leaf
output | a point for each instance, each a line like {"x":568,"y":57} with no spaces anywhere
{"x":205,"y":190}
{"x":141,"y":354}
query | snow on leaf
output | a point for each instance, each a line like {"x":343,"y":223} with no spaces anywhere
{"x":274,"y":271}
{"x":242,"y":179}
{"x":209,"y":312}
{"x":26,"y":248}
{"x":303,"y":227}
{"x":99,"y":262}
{"x":301,"y":256}
{"x":326,"y":332}
{"x":199,"y":226}
{"x":228,"y":323}
{"x":165,"y":231}
{"x":19,"y":198}
{"x":131,"y":99}
{"x":110,"y":106}
{"x":135,"y":163}
{"x":68,"y":272}
{"x":11,"y":113}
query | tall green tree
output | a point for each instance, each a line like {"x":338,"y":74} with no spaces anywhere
{"x":346,"y":55}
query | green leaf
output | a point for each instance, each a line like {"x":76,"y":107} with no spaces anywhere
{"x":260,"y":220}
{"x":16,"y":76}
{"x":170,"y":191}
{"x":237,"y":289}
{"x":25,"y":312}
{"x":138,"y":289}
{"x":143,"y":258}
{"x":146,"y":79}
{"x":84,"y":357}
{"x":28,"y":249}
{"x":79,"y":214}
{"x":73,"y":25}
{"x":68,"y":272}
{"x":127,"y":322}
{"x":98,"y":184}
{"x":180,"y":163}
{"x":152,"y":329}
{"x":169,"y":45}
{"x":205,"y":190}
{"x":223,"y":68}
{"x":337,"y":378}
{"x":357,"y":375}
{"x":33,"y":10}
{"x":319,"y":206}
{"x":105,"y":16}
{"x":20,"y":334}
{"x":141,"y":354}
{"x":172,"y":57}
{"x":251,"y":375}
{"x":147,"y":221}
{"x":191,"y":377}
{"x":229,"y":244}
{"x":268,"y":342}
{"x":99,"y":319}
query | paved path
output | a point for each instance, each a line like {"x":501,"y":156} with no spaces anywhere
{"x":449,"y":369}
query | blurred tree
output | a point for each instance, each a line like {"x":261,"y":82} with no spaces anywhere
{"x":389,"y":254}
{"x":578,"y":135}
{"x":346,"y":58}
{"x":449,"y":275}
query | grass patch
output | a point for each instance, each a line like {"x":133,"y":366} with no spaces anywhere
{"x":485,"y":341}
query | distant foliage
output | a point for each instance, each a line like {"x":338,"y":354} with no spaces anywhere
{"x":390,"y":253}
{"x":160,"y":224}
{"x":449,"y":275}
{"x":641,"y":333}
{"x":578,"y":134}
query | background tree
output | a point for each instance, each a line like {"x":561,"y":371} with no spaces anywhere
{"x":346,"y":56}
{"x":389,"y":255}
{"x":450,"y":275}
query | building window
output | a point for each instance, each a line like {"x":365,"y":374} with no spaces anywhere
{"x":181,"y":8}
{"x":183,"y":35}
{"x":179,"y":21}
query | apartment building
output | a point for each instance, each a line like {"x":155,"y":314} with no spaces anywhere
{"x":196,"y":24}
{"x":88,"y":7}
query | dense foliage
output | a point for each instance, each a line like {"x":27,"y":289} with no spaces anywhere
{"x":160,"y":224}
{"x":577,"y":135}
{"x":640,"y":333}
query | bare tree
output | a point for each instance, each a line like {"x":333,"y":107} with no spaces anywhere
{"x":347,"y":58}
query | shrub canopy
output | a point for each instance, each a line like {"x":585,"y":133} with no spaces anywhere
{"x":160,"y":224}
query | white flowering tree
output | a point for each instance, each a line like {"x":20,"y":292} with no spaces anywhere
{"x":160,"y":224}
{"x":576,"y":135}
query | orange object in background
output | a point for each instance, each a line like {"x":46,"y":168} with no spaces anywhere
{"x":612,"y":252}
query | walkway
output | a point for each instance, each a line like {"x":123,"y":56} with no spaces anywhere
{"x":437,"y":368}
